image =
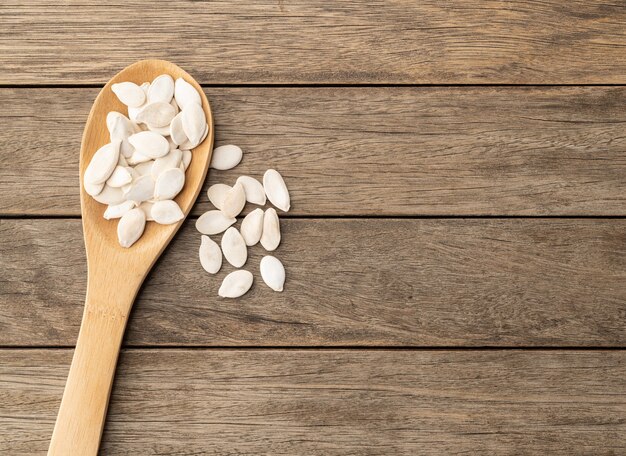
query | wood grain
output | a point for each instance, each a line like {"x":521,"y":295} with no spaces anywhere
{"x":366,"y":282}
{"x":460,"y":42}
{"x":364,"y":151}
{"x":333,"y":402}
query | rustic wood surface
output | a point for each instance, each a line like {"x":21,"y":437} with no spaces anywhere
{"x":455,"y":252}
{"x":456,"y":282}
{"x":364,"y":151}
{"x":333,"y":402}
{"x":304,"y":41}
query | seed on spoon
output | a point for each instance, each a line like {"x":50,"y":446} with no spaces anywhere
{"x":276,"y":189}
{"x":150,"y":144}
{"x":129,"y":93}
{"x":146,"y":207}
{"x":252,"y":227}
{"x":161,"y":89}
{"x":157,"y":114}
{"x":255,"y":193}
{"x":130,"y":227}
{"x":185,"y":93}
{"x":194,"y":122}
{"x":226,"y":157}
{"x":176,"y":129}
{"x":210,"y":255}
{"x":141,"y":190}
{"x":110,"y":195}
{"x":234,"y":201}
{"x":236,"y":284}
{"x":213,"y":222}
{"x":272,"y":272}
{"x":186,"y":158}
{"x":120,"y":177}
{"x":270,"y":238}
{"x":171,"y":160}
{"x":234,"y":247}
{"x":102,"y":163}
{"x":118,"y":210}
{"x":169,"y":184}
{"x":166,"y":212}
{"x":216,"y":194}
{"x":93,"y":189}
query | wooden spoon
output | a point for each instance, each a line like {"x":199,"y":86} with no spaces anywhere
{"x":114,"y":273}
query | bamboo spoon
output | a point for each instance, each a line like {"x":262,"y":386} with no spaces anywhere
{"x":114,"y":274}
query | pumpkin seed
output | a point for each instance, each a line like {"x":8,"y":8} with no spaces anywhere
{"x":120,"y":177}
{"x":157,"y":114}
{"x":93,"y":189}
{"x":234,"y":247}
{"x":141,"y":190}
{"x":163,"y":131}
{"x":121,"y":129}
{"x":252,"y":227}
{"x":255,"y":193}
{"x":276,"y":190}
{"x":210,"y":255}
{"x":161,"y":89}
{"x":236,"y":284}
{"x":234,"y":201}
{"x":137,"y":158}
{"x":185,"y":93}
{"x":118,"y":210}
{"x":145,"y":167}
{"x":171,"y":160}
{"x":150,"y":144}
{"x":146,"y":207}
{"x":186,"y":158}
{"x":216,"y":194}
{"x":272,"y":272}
{"x":226,"y":157}
{"x":176,"y":129}
{"x":130,"y":227}
{"x":102,"y":163}
{"x":213,"y":222}
{"x":194,"y":122}
{"x":129,"y":93}
{"x":110,"y":196}
{"x":166,"y":212}
{"x":169,"y":184}
{"x":270,"y":238}
{"x":126,"y":149}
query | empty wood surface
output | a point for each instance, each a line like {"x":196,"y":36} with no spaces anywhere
{"x":369,"y":282}
{"x":363,"y":151}
{"x":304,"y":41}
{"x":346,"y":402}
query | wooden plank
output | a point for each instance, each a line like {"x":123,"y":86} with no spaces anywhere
{"x":304,"y":41}
{"x":334,"y":402}
{"x":370,"y":282}
{"x":364,"y":151}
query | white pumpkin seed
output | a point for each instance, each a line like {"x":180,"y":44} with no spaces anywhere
{"x":252,"y":227}
{"x":216,"y":194}
{"x":110,"y":196}
{"x":236,"y":284}
{"x":132,"y":112}
{"x":157,"y":114}
{"x":213,"y":222}
{"x":185,"y":93}
{"x":126,"y":149}
{"x":270,"y":238}
{"x":169,"y":184}
{"x":121,"y":129}
{"x":171,"y":160}
{"x":186,"y":158}
{"x":146,"y":207}
{"x":161,"y":89}
{"x":129,"y":93}
{"x":93,"y":189}
{"x":145,"y":168}
{"x":150,"y":144}
{"x":141,"y":190}
{"x":163,"y":131}
{"x":118,"y":210}
{"x":272,"y":272}
{"x":234,"y":247}
{"x":111,"y":118}
{"x":102,"y":163}
{"x":176,"y":129}
{"x":137,"y":158}
{"x":120,"y":177}
{"x":194,"y":122}
{"x":234,"y":201}
{"x":130,"y":227}
{"x":210,"y":255}
{"x":255,"y":193}
{"x":166,"y":212}
{"x":276,"y":190}
{"x":226,"y":157}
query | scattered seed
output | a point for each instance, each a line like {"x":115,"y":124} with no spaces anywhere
{"x":252,"y":227}
{"x":276,"y":190}
{"x":166,"y":212}
{"x":255,"y":193}
{"x":130,"y":227}
{"x":272,"y":272}
{"x":234,"y":247}
{"x":226,"y":157}
{"x":216,"y":194}
{"x":129,"y":93}
{"x":210,"y":255}
{"x":270,"y":238}
{"x":236,"y":284}
{"x":213,"y":222}
{"x":169,"y":184}
{"x":234,"y":201}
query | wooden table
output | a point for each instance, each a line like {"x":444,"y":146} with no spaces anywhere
{"x":456,"y":252}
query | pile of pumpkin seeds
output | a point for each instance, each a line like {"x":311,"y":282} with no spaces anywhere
{"x":258,"y":226}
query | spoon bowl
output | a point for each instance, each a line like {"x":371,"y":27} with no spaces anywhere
{"x":115,"y":274}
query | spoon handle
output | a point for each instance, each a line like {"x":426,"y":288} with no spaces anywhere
{"x":81,"y":417}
